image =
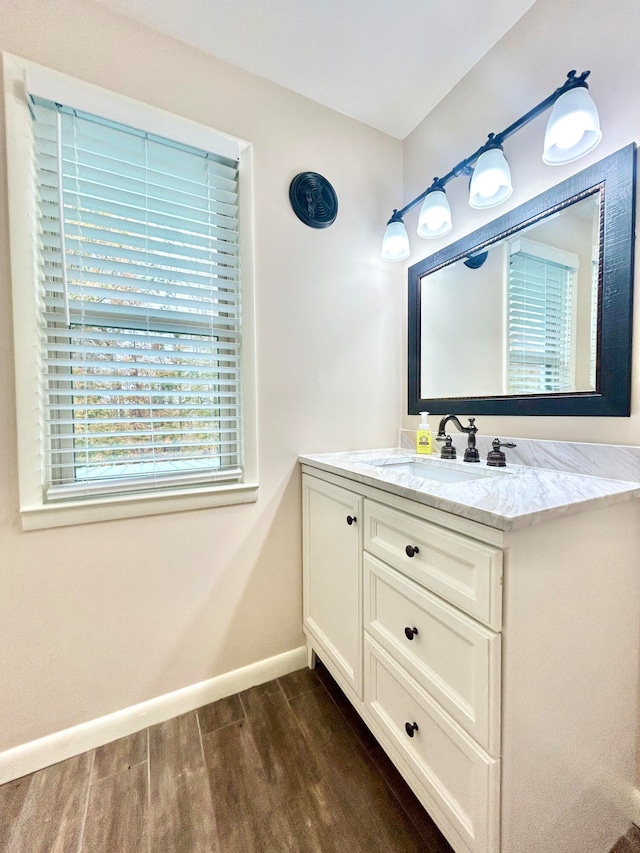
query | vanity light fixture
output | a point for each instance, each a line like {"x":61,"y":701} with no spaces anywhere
{"x":434,"y":219}
{"x":573,"y":131}
{"x":395,"y":246}
{"x":491,"y":179}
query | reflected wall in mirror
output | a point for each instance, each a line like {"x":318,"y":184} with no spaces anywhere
{"x":532,"y":313}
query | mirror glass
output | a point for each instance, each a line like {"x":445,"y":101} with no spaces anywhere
{"x":533,"y":295}
{"x":532,"y":313}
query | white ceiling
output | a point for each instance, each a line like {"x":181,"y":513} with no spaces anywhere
{"x":386,"y":63}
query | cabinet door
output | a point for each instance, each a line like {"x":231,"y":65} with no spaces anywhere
{"x":332,"y":557}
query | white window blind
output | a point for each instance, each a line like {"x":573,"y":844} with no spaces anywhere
{"x":140,"y":300}
{"x":540,"y":322}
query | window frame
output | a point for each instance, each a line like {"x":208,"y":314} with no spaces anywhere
{"x":35,"y":513}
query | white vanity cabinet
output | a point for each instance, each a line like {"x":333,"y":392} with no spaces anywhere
{"x":497,"y":669}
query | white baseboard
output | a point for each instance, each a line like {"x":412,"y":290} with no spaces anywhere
{"x":59,"y":746}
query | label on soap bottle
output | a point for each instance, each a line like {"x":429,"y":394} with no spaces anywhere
{"x":424,"y":441}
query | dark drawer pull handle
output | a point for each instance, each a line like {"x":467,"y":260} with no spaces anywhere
{"x":410,"y":633}
{"x":410,"y":728}
{"x":351,"y":519}
{"x":410,"y":550}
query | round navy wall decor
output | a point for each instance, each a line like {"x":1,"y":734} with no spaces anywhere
{"x":313,"y":200}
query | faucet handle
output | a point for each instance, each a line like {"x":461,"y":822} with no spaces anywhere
{"x":448,"y":451}
{"x":496,"y":458}
{"x":471,"y":453}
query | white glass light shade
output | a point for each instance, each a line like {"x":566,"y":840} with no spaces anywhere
{"x":395,"y":243}
{"x":491,"y":180}
{"x":573,"y":129}
{"x":434,"y":219}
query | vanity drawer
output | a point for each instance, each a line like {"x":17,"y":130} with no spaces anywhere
{"x":452,"y":656}
{"x":464,"y":571}
{"x":455,"y":779}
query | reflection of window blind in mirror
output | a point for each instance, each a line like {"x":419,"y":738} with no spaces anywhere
{"x":540,"y":311}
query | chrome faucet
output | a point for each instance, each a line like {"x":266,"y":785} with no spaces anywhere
{"x":471,"y":452}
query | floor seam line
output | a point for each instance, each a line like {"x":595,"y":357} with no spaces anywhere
{"x":86,"y":805}
{"x":117,"y":772}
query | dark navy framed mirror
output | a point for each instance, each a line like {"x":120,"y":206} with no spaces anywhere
{"x":532,"y":313}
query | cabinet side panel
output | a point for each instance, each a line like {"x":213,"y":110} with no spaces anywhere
{"x":571,"y":645}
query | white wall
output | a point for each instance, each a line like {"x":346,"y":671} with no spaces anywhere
{"x":462,"y":308}
{"x":98,"y":617}
{"x":522,"y":69}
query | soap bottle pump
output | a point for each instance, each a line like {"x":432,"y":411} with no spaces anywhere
{"x":424,"y":438}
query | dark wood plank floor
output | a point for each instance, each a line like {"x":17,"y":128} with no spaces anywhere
{"x":288,"y":766}
{"x":630,"y":843}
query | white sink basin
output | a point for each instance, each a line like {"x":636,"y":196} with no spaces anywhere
{"x":436,"y":469}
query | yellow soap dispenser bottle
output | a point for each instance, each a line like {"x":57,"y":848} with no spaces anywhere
{"x":424,"y":438}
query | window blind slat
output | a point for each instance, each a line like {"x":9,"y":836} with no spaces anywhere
{"x":78,"y":206}
{"x":110,"y":172}
{"x":179,"y":379}
{"x":127,"y":321}
{"x":160,"y":173}
{"x":201,"y":234}
{"x":81,"y":134}
{"x":88,"y":243}
{"x":135,"y":285}
{"x":135,"y":206}
{"x":100,"y":452}
{"x":94,"y":290}
{"x":224,"y":353}
{"x":187,"y":181}
{"x":94,"y":411}
{"x":128,"y":245}
{"x":130,"y":274}
{"x":145,"y":305}
{"x":91,"y":181}
{"x":231,"y":430}
{"x":148,"y":292}
{"x":128,"y":318}
{"x":148,"y":396}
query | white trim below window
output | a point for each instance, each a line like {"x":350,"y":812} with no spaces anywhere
{"x":133,"y":506}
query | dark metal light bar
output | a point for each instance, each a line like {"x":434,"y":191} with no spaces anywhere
{"x":495,"y":140}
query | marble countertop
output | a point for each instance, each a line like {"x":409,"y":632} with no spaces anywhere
{"x":506,"y":498}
